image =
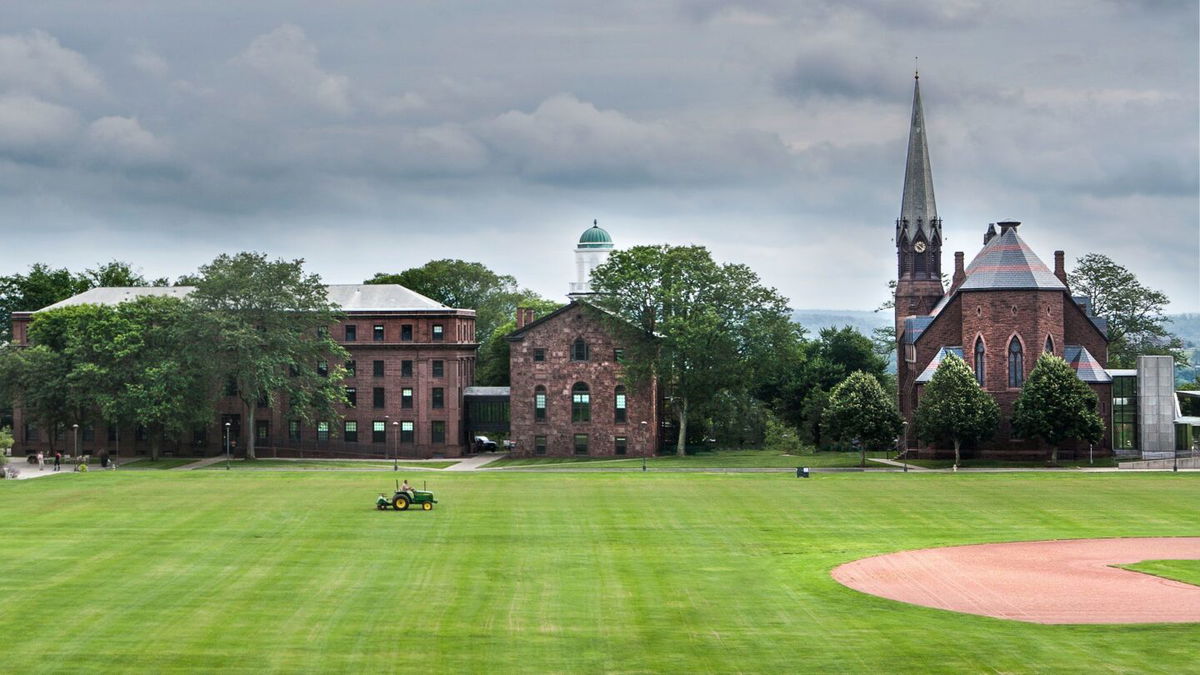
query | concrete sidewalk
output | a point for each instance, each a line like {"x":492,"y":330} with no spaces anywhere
{"x":898,"y":465}
{"x":200,"y":464}
{"x":477,"y":462}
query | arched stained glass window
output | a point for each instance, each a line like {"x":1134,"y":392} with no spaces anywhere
{"x":980,"y":360}
{"x":1049,"y":344}
{"x":1016,"y":363}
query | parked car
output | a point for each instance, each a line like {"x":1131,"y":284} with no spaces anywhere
{"x":484,"y":444}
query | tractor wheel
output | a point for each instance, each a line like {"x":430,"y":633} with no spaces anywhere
{"x":428,"y":506}
{"x":400,"y":502}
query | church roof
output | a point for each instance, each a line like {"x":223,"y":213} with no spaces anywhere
{"x":927,"y":374}
{"x":1086,"y":367}
{"x":917,"y":206}
{"x":914,"y":326}
{"x":1007,"y":262}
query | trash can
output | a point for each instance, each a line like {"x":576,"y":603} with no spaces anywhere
{"x":802,"y":472}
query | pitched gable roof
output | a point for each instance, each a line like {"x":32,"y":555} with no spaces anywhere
{"x":927,"y":374}
{"x":1007,"y":262}
{"x":1086,"y":367}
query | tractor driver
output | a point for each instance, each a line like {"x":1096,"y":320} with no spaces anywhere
{"x":405,"y":487}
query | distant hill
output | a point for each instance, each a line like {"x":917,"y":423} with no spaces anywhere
{"x":864,"y":322}
{"x":1187,"y":327}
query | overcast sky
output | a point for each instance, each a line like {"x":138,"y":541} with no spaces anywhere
{"x":374,"y":136}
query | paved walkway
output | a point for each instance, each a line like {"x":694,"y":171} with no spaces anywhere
{"x":477,"y":462}
{"x":34,"y":471}
{"x":207,"y":461}
{"x":898,"y":465}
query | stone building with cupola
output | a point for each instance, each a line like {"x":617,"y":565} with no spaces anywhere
{"x":568,"y":393}
{"x":999,"y":313}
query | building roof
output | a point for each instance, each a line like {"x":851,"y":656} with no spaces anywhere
{"x":595,"y":237}
{"x":917,"y":207}
{"x":914,"y":326}
{"x":1006,"y":262}
{"x":1086,"y":367}
{"x":927,"y":374}
{"x":487,"y":391}
{"x":349,"y":297}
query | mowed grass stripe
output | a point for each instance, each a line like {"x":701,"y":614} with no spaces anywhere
{"x":519,"y":572}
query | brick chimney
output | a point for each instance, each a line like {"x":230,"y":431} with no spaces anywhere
{"x":524,"y":317}
{"x":960,"y":272}
{"x":1060,"y":267}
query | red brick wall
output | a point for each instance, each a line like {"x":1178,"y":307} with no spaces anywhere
{"x":558,"y":374}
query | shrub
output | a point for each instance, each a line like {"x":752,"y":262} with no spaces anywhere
{"x":82,"y":467}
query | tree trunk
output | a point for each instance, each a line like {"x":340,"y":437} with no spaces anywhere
{"x":250,"y":425}
{"x":155,"y":442}
{"x":680,"y":443}
{"x":1054,"y":455}
{"x":957,"y":443}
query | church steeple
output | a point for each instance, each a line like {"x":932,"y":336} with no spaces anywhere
{"x":918,"y":229}
{"x":918,"y":210}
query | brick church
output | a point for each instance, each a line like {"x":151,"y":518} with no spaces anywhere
{"x":999,"y":313}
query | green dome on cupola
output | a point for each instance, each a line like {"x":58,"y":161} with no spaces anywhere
{"x":595,"y":237}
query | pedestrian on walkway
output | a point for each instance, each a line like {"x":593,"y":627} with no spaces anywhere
{"x":41,"y":460}
{"x":57,"y":461}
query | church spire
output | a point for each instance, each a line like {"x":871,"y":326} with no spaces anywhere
{"x":918,"y":211}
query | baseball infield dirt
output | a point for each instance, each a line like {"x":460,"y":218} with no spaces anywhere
{"x":1071,"y":581}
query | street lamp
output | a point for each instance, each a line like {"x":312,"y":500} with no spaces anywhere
{"x":75,"y":428}
{"x":227,"y":425}
{"x":395,"y":446}
{"x":1175,"y":457}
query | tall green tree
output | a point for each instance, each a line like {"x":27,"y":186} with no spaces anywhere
{"x":1055,"y":405}
{"x":268,"y":324}
{"x":40,"y":287}
{"x":861,"y":412}
{"x":492,"y":365}
{"x":953,"y":407}
{"x":709,"y":319}
{"x":1136,"y":324}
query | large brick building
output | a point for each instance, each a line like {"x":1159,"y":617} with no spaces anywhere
{"x":1000,"y":312}
{"x":410,"y":360}
{"x":568,"y":393}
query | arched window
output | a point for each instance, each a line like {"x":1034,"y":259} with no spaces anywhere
{"x":979,"y":360}
{"x":579,"y":350}
{"x":619,"y":404}
{"x":1016,"y":363}
{"x":581,"y":403}
{"x":539,"y":404}
{"x":1049,"y":349}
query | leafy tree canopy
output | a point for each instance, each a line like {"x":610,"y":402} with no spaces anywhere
{"x":492,"y":366}
{"x":860,"y":411}
{"x":1055,"y":405}
{"x":1136,"y":324}
{"x":953,"y":407}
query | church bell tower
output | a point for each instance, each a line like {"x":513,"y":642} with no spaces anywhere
{"x":918,"y":229}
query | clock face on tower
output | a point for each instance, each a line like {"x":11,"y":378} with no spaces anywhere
{"x":919,"y":247}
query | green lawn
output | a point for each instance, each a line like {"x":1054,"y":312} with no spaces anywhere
{"x":1187,"y":571}
{"x":141,"y":464}
{"x":564,"y":572}
{"x":240,"y":464}
{"x":1012,"y":464}
{"x":716,"y":459}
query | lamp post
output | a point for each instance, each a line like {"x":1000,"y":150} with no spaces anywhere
{"x":227,"y":425}
{"x":1175,"y":458}
{"x":75,"y":429}
{"x":395,"y":446}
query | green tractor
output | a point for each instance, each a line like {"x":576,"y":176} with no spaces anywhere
{"x":423,"y":498}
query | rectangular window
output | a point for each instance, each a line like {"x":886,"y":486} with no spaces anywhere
{"x":406,"y":369}
{"x":379,"y":432}
{"x":539,"y":445}
{"x":407,"y":432}
{"x":581,"y":444}
{"x":323,"y":368}
{"x":439,"y":398}
{"x":89,"y":432}
{"x":293,"y":430}
{"x":406,"y":397}
{"x":539,"y":406}
{"x":406,"y":332}
{"x":351,"y":333}
{"x":619,"y":445}
{"x":439,"y":368}
{"x":437,"y":432}
{"x":351,"y":369}
{"x":539,"y":354}
{"x":377,"y":332}
{"x":581,"y":406}
{"x":910,"y":353}
{"x":351,"y":431}
{"x":352,"y":397}
{"x":619,"y":416}
{"x":31,"y":432}
{"x":322,"y":431}
{"x":439,"y":332}
{"x":377,"y":399}
{"x":262,"y":430}
{"x":377,"y":368}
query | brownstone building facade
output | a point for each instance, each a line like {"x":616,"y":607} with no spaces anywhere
{"x":568,"y":393}
{"x":1001,"y":311}
{"x":410,"y":360}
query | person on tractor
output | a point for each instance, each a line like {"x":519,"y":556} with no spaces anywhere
{"x":405,"y":487}
{"x":382,"y":503}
